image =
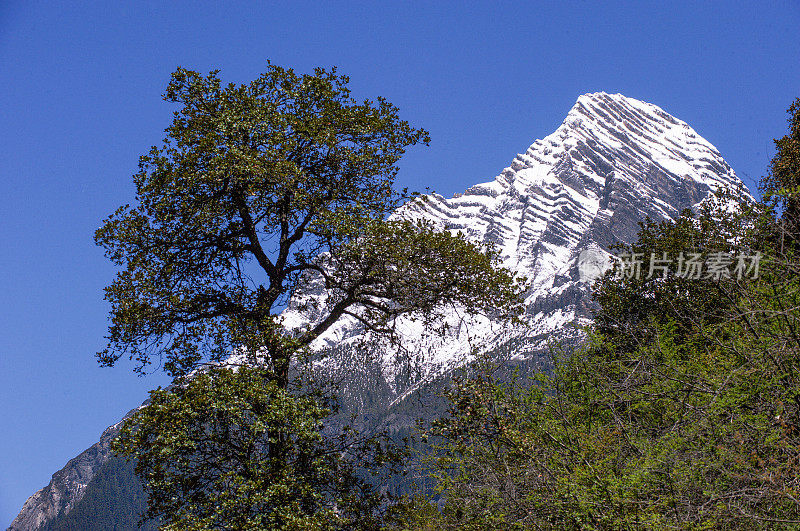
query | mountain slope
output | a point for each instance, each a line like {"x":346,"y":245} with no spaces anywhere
{"x":67,"y":486}
{"x":613,"y":162}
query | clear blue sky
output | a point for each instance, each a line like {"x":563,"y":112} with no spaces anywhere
{"x":80,"y":101}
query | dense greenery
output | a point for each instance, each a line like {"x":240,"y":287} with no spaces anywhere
{"x":213,"y":436}
{"x":259,"y":189}
{"x":682,"y":411}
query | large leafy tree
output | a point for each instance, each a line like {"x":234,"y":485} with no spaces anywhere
{"x":256,"y":187}
{"x":257,"y":190}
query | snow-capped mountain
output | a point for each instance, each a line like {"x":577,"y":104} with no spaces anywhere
{"x":613,"y":162}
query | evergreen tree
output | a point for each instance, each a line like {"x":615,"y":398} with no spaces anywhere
{"x":781,"y":186}
{"x":113,"y":500}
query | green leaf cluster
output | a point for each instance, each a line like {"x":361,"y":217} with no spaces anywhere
{"x":230,"y":449}
{"x":258,"y":189}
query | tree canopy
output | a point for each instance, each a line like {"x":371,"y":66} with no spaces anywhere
{"x":781,"y":185}
{"x":232,"y":450}
{"x":256,"y":188}
{"x":258,"y":191}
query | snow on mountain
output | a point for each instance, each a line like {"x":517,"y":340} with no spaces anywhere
{"x":613,"y":162}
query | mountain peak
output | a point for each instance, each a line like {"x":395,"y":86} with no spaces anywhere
{"x":613,"y":162}
{"x":604,"y":99}
{"x":636,"y":135}
{"x":620,"y":110}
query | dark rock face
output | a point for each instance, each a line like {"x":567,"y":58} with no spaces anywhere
{"x":613,"y":162}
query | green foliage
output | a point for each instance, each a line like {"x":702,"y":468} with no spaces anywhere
{"x":285,"y":160}
{"x":256,"y":191}
{"x":249,"y":455}
{"x":627,"y":305}
{"x":682,"y":411}
{"x":781,"y":186}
